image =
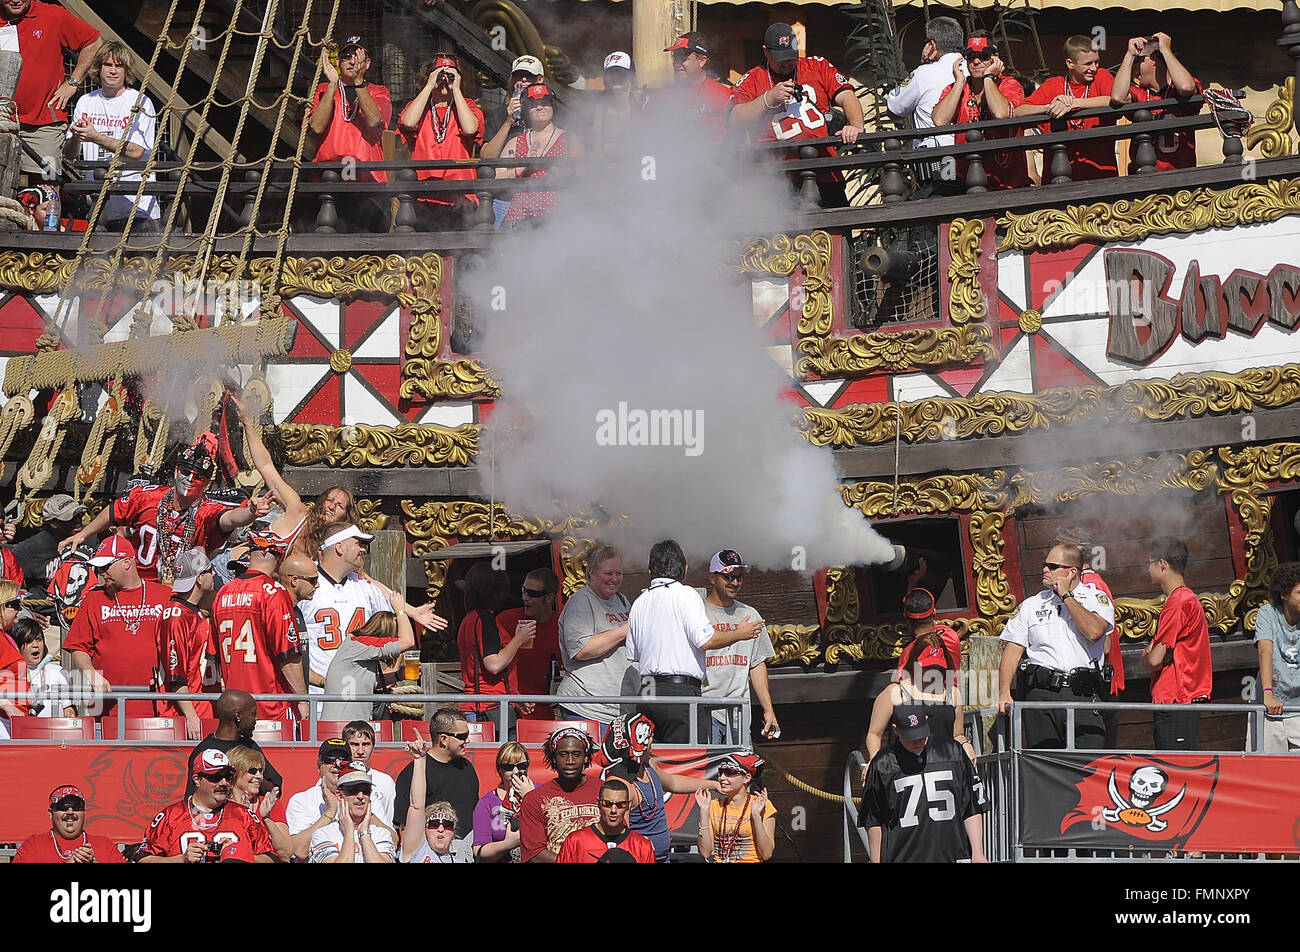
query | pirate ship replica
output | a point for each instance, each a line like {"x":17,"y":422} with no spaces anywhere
{"x":1118,"y":354}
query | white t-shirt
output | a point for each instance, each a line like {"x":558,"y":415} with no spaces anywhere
{"x":327,"y":842}
{"x":308,"y":806}
{"x":460,"y":852}
{"x":1044,"y":628}
{"x":110,"y":118}
{"x":49,"y":682}
{"x":918,"y":96}
{"x":667,"y":630}
{"x":334,"y":611}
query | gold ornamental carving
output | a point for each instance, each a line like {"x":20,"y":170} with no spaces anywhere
{"x":440,"y":379}
{"x":407,"y":444}
{"x":782,"y":256}
{"x":992,"y":414}
{"x":424,"y":300}
{"x":896,"y":352}
{"x":1031,"y":321}
{"x":341,"y":360}
{"x":1190,"y":210}
{"x":1196,"y":471}
{"x":1273,"y":133}
{"x":843,"y":612}
{"x":993,"y":596}
{"x":966,"y":297}
{"x":371,"y":516}
{"x":573,"y":562}
{"x":972,"y":492}
{"x":795,"y":644}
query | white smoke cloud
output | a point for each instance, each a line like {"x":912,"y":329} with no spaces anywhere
{"x":627,"y":299}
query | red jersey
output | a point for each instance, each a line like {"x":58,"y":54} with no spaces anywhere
{"x":1090,"y":160}
{"x":705,"y":103}
{"x":175,"y":828}
{"x":804,"y":118}
{"x":139,"y":510}
{"x":184,"y":641}
{"x":533,"y":662}
{"x":1187,"y":673}
{"x":10,"y":661}
{"x":1115,"y":654}
{"x":550,"y":813}
{"x":44,"y":32}
{"x":48,"y":847}
{"x":120,"y":633}
{"x":10,"y":568}
{"x":439,"y":137}
{"x":588,"y":845}
{"x":476,"y":643}
{"x":256,"y":630}
{"x":1174,"y":150}
{"x":345,"y":138}
{"x":1005,"y":170}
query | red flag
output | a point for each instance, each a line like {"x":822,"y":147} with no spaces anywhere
{"x":1144,"y":797}
{"x":225,"y":454}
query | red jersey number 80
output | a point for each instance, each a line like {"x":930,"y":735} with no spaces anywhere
{"x":334,"y":635}
{"x":809,"y":117}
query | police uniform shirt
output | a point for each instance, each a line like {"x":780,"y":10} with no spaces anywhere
{"x":921,"y":802}
{"x":667,"y":630}
{"x":1044,"y":627}
{"x":920,"y":94}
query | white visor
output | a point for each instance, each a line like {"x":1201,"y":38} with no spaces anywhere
{"x":351,"y":532}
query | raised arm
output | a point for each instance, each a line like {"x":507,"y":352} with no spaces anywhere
{"x":413,"y":831}
{"x":294,"y":508}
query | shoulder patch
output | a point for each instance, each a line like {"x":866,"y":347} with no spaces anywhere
{"x":1101,"y":597}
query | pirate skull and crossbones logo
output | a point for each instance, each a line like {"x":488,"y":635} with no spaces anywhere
{"x":1144,"y":785}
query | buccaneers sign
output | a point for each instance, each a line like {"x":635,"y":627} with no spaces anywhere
{"x":1175,"y":801}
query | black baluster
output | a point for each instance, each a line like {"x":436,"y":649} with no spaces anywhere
{"x":1290,"y":44}
{"x":809,"y":194}
{"x":893,"y":187}
{"x":1144,"y":143}
{"x":327,"y":216}
{"x":252,"y":177}
{"x":404,"y":222}
{"x":976,"y":178}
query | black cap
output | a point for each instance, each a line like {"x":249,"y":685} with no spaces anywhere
{"x":910,"y":721}
{"x":690,"y":43}
{"x":334,"y":749}
{"x":781,"y":42}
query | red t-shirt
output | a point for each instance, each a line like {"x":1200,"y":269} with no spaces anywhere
{"x":120,"y":633}
{"x":42,"y":848}
{"x":1091,"y":160}
{"x":533,"y":662}
{"x":172,"y":831}
{"x":1187,"y":673}
{"x":706,"y":103}
{"x":139,"y":510}
{"x":184,"y":640}
{"x":821,"y":83}
{"x":256,"y":630}
{"x":475,"y":643}
{"x":550,"y":813}
{"x":1004,"y":170}
{"x":588,"y":845}
{"x":1174,"y":150}
{"x":10,"y":568}
{"x":454,"y":145}
{"x":1116,"y":654}
{"x":44,"y":32}
{"x":346,"y":139}
{"x":12,"y":661}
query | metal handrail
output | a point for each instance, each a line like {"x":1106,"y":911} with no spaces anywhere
{"x":853,"y":768}
{"x":1255,"y":714}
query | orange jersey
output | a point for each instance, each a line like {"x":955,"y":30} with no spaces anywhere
{"x":256,"y":630}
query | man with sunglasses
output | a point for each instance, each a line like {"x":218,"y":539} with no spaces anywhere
{"x":207,"y":827}
{"x":694,"y":94}
{"x":66,"y":841}
{"x":164,"y":521}
{"x":311,"y":810}
{"x":533,"y":662}
{"x":981,"y":91}
{"x":449,"y":775}
{"x":356,"y":836}
{"x":1150,"y":71}
{"x":185,"y":642}
{"x":729,"y":672}
{"x":1055,"y":642}
{"x":609,"y":832}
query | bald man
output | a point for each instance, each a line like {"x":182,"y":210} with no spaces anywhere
{"x":300,"y":575}
{"x":237,"y":716}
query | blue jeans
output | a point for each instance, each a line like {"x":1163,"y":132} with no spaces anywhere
{"x":500,"y":208}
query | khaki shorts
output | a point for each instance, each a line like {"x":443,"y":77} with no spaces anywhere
{"x":44,"y":141}
{"x":1281,"y":734}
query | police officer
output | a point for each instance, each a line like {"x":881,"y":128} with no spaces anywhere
{"x":1055,"y":642}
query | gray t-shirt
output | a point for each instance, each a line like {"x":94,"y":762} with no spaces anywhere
{"x":584,"y":615}
{"x":355,"y":670}
{"x":727,"y":669}
{"x":1270,"y":625}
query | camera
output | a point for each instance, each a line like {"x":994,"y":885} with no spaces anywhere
{"x":798,"y":93}
{"x":213,"y":850}
{"x":444,"y":76}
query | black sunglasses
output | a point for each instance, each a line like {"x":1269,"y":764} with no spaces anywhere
{"x":225,"y":775}
{"x":352,"y":789}
{"x":534,"y":593}
{"x":73,"y":804}
{"x":978,"y":56}
{"x":311,"y":579}
{"x":522,"y":765}
{"x":462,"y":736}
{"x":1053,"y":566}
{"x":440,"y":823}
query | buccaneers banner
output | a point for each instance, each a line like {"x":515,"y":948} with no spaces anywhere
{"x":1197,"y":802}
{"x":126,"y":786}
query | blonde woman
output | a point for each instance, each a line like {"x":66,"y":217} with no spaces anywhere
{"x":251,"y":789}
{"x":430,"y":832}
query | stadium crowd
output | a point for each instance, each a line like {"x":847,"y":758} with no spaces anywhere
{"x":788,"y":97}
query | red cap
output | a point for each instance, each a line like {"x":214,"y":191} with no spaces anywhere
{"x":110,"y":550}
{"x":236,"y":852}
{"x":67,"y":790}
{"x":447,"y":61}
{"x":932,"y":657}
{"x":750,"y":763}
{"x":212,"y":762}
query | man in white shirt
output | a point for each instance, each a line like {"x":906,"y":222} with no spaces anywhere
{"x":668,"y":633}
{"x":1054,"y":642}
{"x":915,"y":99}
{"x":360,"y":738}
{"x":355,"y":836}
{"x":101,"y":120}
{"x":316,"y":808}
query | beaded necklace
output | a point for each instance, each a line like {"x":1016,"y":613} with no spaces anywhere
{"x":440,"y":130}
{"x":85,"y":841}
{"x":356,"y":103}
{"x":132,"y":627}
{"x":1087,"y":94}
{"x":175,"y":533}
{"x":727,"y":842}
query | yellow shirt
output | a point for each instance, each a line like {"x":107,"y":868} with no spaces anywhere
{"x":733,"y":834}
